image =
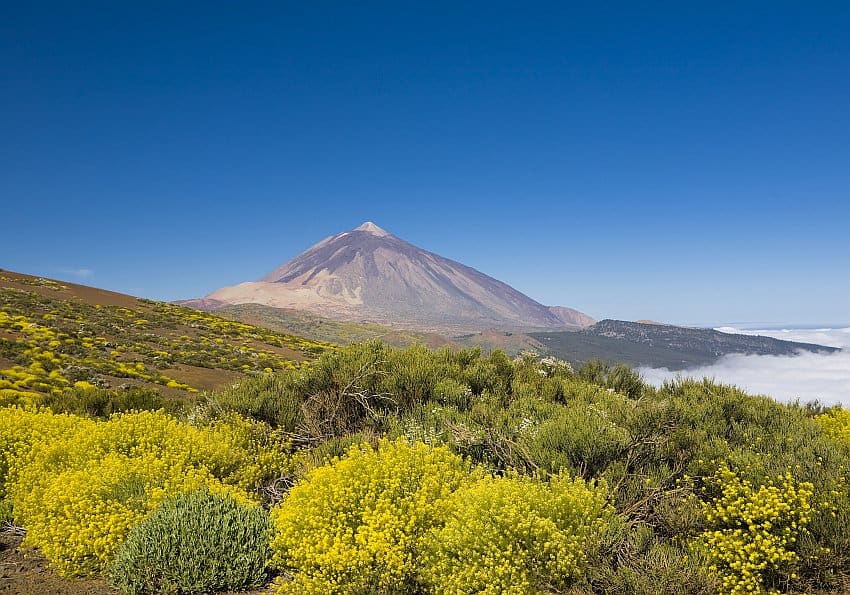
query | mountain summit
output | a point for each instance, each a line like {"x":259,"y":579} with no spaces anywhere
{"x":369,"y":274}
{"x":370,"y":227}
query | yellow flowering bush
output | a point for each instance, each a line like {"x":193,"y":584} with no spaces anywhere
{"x":78,"y":517}
{"x":516,"y":535}
{"x":19,"y":429}
{"x":753,"y":530}
{"x":78,"y":485}
{"x":836,"y":423}
{"x":355,"y":525}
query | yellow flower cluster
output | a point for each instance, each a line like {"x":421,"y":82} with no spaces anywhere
{"x":515,"y":535}
{"x":356,"y":524}
{"x":48,"y":353}
{"x":412,"y":517}
{"x":78,"y":485}
{"x":836,"y":423}
{"x":753,"y":530}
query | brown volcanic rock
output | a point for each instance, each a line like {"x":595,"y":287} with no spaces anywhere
{"x":572,"y":318}
{"x":370,"y":274}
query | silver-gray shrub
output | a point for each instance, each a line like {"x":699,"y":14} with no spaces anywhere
{"x":198,"y":542}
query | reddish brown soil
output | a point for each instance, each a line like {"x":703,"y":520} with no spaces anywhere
{"x":29,"y":574}
{"x":402,"y":338}
{"x":202,"y":378}
{"x":89,"y":295}
{"x":296,"y":356}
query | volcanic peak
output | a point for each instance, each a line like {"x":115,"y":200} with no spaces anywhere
{"x":370,"y":227}
{"x":369,"y":274}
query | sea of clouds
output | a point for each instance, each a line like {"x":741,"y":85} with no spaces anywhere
{"x":806,"y":376}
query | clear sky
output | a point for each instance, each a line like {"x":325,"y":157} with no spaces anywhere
{"x":682,"y":161}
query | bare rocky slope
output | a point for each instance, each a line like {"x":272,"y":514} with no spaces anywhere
{"x":368,"y":274}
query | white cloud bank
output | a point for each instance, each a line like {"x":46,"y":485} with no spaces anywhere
{"x":807,"y":376}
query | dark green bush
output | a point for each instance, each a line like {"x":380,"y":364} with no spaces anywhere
{"x":582,"y":439}
{"x":637,"y":563}
{"x":5,"y":511}
{"x":358,"y":387}
{"x":273,"y":398}
{"x":195,"y":543}
{"x":99,"y":402}
{"x":619,"y":377}
{"x":454,"y":393}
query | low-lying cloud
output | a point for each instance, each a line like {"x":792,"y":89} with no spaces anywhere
{"x":806,"y":376}
{"x":79,"y":273}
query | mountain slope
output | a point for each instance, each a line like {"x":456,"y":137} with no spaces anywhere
{"x":370,"y":274}
{"x":571,"y":317}
{"x":57,"y":338}
{"x":314,"y":327}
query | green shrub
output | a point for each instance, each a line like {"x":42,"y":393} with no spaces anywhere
{"x":581,"y":438}
{"x":5,"y":511}
{"x":195,"y":543}
{"x":451,"y":392}
{"x":98,"y":402}
{"x":492,"y":374}
{"x":620,"y":377}
{"x":635,"y":562}
{"x":272,"y":398}
{"x":410,"y":375}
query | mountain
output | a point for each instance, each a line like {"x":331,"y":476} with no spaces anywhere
{"x":662,"y":345}
{"x":368,"y":274}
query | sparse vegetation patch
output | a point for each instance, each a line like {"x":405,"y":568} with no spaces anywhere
{"x":59,"y":346}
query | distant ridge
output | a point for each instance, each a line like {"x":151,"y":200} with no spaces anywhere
{"x":663,"y":345}
{"x":368,"y":274}
{"x":710,"y":341}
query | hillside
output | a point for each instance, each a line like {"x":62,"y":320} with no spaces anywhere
{"x":368,"y":274}
{"x":513,"y":344}
{"x":661,"y":345}
{"x":58,"y":338}
{"x":315,"y":327}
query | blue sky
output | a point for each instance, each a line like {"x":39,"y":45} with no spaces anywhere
{"x":686,"y":162}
